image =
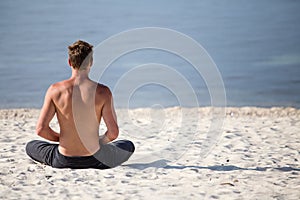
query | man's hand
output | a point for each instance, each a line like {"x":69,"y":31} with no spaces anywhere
{"x":104,"y":139}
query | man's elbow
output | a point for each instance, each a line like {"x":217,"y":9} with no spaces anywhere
{"x":113,"y":134}
{"x":39,"y":130}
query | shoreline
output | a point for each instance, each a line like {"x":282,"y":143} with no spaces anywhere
{"x":6,"y":113}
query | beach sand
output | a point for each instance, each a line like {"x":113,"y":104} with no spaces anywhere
{"x":256,"y":156}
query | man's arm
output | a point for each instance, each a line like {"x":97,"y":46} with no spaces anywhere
{"x":110,"y":119}
{"x":47,"y":112}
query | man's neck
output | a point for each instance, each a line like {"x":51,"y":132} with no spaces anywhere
{"x":80,"y":74}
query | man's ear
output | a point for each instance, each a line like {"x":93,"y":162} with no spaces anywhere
{"x":91,"y":62}
{"x":69,"y":61}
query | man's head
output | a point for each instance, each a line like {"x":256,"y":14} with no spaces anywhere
{"x":80,"y":55}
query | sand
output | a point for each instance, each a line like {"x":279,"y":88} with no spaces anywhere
{"x":256,"y":155}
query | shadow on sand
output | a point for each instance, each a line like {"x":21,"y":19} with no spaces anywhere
{"x":164,"y":164}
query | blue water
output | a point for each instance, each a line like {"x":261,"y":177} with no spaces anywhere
{"x":255,"y":45}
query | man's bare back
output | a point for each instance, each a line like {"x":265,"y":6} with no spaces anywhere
{"x":79,"y":104}
{"x":79,"y":130}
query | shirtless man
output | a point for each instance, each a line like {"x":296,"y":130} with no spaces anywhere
{"x":79,"y":104}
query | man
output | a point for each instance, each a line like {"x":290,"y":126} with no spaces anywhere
{"x":79,"y":104}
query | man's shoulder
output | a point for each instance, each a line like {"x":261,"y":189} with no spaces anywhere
{"x":102,"y":86}
{"x":59,"y":86}
{"x":103,"y":89}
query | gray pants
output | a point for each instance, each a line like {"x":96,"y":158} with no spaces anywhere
{"x":110,"y":155}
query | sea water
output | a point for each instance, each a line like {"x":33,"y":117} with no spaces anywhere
{"x":255,"y":45}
